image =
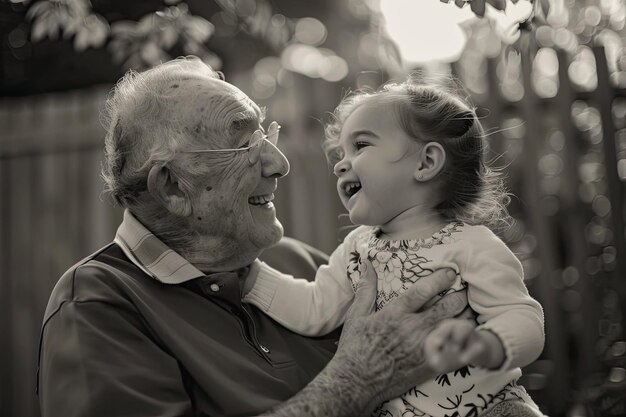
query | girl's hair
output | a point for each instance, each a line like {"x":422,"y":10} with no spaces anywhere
{"x":473,"y":192}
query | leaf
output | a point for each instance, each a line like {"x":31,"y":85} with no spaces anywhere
{"x":53,"y":28}
{"x":168,"y":37}
{"x":77,"y":8}
{"x":39,"y":8}
{"x":81,"y":41}
{"x":198,"y":28}
{"x":100,"y":30}
{"x":212,"y":60}
{"x":152,"y":54}
{"x":72,"y":26}
{"x":124,"y":28}
{"x":38,"y":30}
{"x":146,"y":23}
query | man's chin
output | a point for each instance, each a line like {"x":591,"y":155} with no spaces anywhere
{"x":268,"y":236}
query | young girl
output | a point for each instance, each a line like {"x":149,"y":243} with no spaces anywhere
{"x":410,"y":169}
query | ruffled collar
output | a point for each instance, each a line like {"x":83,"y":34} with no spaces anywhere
{"x":392,"y":245}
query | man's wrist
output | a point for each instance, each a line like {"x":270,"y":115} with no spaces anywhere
{"x":341,"y":377}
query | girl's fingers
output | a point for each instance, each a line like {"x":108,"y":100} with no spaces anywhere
{"x":472,"y":351}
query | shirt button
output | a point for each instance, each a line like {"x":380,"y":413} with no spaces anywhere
{"x":214,"y":287}
{"x":264,"y":349}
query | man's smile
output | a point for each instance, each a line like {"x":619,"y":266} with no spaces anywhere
{"x":259,"y":200}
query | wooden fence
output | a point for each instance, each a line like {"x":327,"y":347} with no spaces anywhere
{"x":579,"y":278}
{"x":52,"y":214}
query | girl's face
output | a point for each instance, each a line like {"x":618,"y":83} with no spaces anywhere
{"x":378,"y":160}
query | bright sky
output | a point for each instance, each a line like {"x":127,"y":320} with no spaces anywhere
{"x":428,"y":30}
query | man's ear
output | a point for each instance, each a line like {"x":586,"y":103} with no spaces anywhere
{"x":431,"y":161}
{"x":165,"y":187}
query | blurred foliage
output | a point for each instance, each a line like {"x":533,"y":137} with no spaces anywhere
{"x":148,"y":41}
{"x":299,"y":43}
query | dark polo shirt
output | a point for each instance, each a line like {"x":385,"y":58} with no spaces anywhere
{"x":135,"y":330}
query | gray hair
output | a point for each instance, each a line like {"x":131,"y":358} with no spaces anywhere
{"x":141,"y":129}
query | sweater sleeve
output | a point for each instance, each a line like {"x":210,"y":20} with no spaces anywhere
{"x":496,"y":291}
{"x":308,"y":308}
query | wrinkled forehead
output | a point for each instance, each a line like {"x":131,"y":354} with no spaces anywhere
{"x":220,"y":109}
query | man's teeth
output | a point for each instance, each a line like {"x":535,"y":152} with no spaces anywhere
{"x":260,"y":199}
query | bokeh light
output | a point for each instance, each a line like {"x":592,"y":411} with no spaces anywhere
{"x":425,"y":31}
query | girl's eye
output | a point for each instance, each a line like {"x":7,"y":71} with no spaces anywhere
{"x":360,"y":145}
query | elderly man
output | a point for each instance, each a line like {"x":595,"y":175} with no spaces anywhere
{"x":153,"y":323}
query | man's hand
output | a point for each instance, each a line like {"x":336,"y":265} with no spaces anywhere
{"x":383,"y":351}
{"x":455,"y":343}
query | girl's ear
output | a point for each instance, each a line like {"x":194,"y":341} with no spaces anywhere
{"x":431,"y":161}
{"x":165,"y":187}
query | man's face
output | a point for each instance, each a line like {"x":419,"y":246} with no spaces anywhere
{"x":232,"y":198}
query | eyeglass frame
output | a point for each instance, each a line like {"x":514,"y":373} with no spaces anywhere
{"x":256,"y":144}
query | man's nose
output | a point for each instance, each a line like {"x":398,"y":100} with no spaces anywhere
{"x":341,"y":167}
{"x":274,"y":163}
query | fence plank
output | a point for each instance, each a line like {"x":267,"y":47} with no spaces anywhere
{"x":584,"y":322}
{"x":6,"y":304}
{"x":22,"y":285}
{"x":603,"y":97}
{"x":559,"y":385}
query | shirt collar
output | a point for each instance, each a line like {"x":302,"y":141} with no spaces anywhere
{"x":151,"y":255}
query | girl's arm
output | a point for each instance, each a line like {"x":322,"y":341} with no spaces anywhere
{"x":496,"y":291}
{"x":308,"y":308}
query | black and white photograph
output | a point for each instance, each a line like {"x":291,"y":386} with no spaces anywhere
{"x":330,"y":208}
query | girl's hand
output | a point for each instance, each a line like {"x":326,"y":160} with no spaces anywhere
{"x":455,"y":343}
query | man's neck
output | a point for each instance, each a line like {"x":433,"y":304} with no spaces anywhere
{"x":208,"y":253}
{"x":212,"y":254}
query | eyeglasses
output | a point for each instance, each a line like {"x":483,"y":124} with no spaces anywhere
{"x":254,"y":147}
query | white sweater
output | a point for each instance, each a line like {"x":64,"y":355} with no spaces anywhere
{"x":495,"y":289}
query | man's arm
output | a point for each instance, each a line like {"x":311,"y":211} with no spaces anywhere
{"x":98,"y":360}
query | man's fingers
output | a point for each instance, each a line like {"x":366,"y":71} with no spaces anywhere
{"x":449,"y":306}
{"x":365,"y":295}
{"x":467,"y":314}
{"x":423,"y":290}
